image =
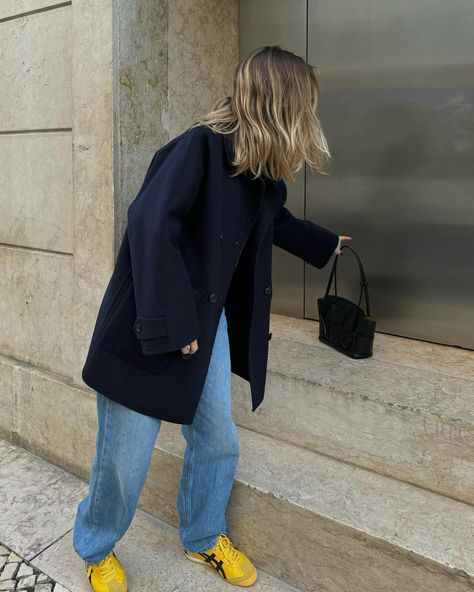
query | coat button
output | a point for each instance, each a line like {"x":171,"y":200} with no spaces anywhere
{"x":269,"y":336}
{"x":138,"y":327}
{"x":212,"y":297}
{"x":267,"y":290}
{"x":221,"y":236}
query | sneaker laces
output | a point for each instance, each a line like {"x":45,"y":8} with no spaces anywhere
{"x":106,"y":567}
{"x":228,"y":549}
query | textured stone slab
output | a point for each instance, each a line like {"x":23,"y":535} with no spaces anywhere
{"x":38,"y":502}
{"x":395,"y":414}
{"x":42,"y":399}
{"x":12,"y":8}
{"x":32,"y":329}
{"x":376,"y":380}
{"x":6,"y":448}
{"x":347,"y":526}
{"x":6,"y":401}
{"x":36,"y":62}
{"x":59,"y":588}
{"x":94,"y":182}
{"x":414,"y":353}
{"x":38,"y":211}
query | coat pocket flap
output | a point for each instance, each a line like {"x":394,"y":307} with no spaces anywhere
{"x":147,"y":328}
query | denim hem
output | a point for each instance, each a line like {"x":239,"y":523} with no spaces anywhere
{"x":96,"y":558}
{"x":204,"y":548}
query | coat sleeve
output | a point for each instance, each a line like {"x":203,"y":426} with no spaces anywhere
{"x":303,"y":238}
{"x":166,"y":317}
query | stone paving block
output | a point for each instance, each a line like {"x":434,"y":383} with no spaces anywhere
{"x":25,"y":570}
{"x":42,"y":578}
{"x":27,"y":581}
{"x":16,"y":575}
{"x":9,"y":571}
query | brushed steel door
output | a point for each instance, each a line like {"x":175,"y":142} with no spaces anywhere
{"x":397,"y":107}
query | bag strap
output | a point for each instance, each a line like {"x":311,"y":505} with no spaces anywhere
{"x":363,"y":280}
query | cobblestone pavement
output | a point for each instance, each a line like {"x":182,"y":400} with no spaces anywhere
{"x":16,"y":575}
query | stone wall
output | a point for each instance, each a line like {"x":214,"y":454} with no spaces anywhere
{"x":92,"y":88}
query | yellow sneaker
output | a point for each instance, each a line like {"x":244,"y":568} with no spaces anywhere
{"x":108,"y":575}
{"x":230,"y":563}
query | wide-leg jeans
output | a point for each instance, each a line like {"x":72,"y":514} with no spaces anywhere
{"x":124,"y":446}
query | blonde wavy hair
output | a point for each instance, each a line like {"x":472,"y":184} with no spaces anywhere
{"x":272,"y":115}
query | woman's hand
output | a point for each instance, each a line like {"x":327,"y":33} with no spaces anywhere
{"x":342,"y":238}
{"x":190,"y":349}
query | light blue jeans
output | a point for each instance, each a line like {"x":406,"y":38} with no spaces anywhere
{"x":124,"y":445}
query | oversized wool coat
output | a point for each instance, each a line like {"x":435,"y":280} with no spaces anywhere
{"x":196,"y":240}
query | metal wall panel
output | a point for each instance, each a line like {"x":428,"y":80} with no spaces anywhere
{"x":398,"y":108}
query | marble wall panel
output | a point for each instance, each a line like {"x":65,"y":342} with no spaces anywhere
{"x":36,"y":69}
{"x":36,"y":190}
{"x":35,"y":311}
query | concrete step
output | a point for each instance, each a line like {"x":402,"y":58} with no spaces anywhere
{"x":406,"y":412}
{"x":38,"y":501}
{"x":322,"y":524}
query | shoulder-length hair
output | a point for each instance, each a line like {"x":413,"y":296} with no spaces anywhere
{"x":272,"y":115}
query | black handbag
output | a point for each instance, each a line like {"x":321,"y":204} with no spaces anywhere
{"x":343,"y":324}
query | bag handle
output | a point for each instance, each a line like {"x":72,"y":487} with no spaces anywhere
{"x":363,"y":280}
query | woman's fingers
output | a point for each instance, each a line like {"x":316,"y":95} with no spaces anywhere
{"x":343,"y":237}
{"x":191,"y":348}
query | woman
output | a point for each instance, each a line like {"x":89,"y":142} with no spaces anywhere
{"x":188,"y":303}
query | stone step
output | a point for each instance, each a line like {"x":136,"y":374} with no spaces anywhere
{"x":406,"y":412}
{"x":322,"y":524}
{"x":38,"y":502}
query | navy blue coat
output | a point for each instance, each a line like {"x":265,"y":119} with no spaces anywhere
{"x":196,"y":240}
